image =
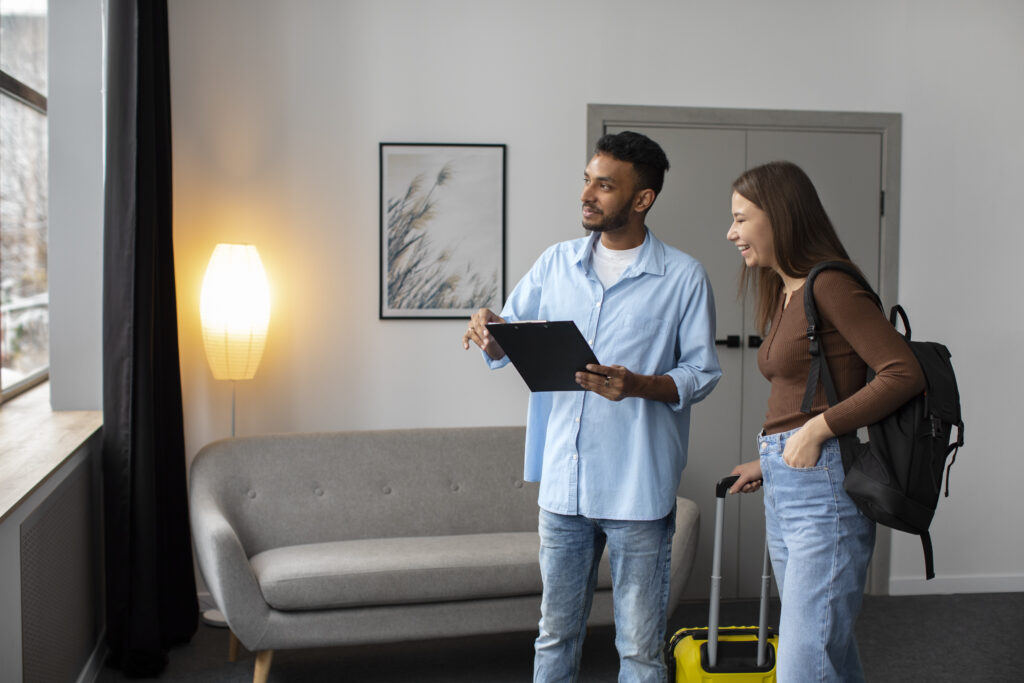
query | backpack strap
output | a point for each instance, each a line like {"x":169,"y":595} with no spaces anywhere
{"x":897,"y":311}
{"x":819,"y":367}
{"x":954,"y":448}
{"x":929,"y":560}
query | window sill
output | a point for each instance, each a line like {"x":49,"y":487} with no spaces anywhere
{"x":35,"y":441}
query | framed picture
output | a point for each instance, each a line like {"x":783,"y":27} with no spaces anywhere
{"x":442,"y":229}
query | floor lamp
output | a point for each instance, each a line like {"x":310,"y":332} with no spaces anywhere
{"x":234,"y":307}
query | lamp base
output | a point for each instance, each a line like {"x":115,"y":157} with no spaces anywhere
{"x":213,"y":617}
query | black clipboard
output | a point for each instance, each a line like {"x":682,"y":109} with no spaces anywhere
{"x":547,"y":354}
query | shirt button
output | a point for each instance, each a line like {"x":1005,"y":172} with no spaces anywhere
{"x":598,"y":305}
{"x":577,"y":420}
{"x":590,"y":341}
{"x":764,"y":446}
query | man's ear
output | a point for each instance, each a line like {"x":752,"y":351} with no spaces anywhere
{"x":643,"y":200}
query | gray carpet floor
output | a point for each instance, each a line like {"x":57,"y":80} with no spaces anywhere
{"x":912,"y":639}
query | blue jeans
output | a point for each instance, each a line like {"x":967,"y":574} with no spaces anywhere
{"x":820,"y":546}
{"x":570,"y":550}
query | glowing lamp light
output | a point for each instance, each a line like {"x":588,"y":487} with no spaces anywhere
{"x":235,"y":310}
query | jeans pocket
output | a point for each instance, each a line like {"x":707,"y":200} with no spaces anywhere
{"x":822,"y":464}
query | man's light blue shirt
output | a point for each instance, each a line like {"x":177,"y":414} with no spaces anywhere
{"x":606,"y":459}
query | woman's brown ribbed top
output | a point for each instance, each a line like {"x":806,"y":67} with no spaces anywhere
{"x":854,"y":335}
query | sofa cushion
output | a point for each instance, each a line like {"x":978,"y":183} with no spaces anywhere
{"x":391,"y":571}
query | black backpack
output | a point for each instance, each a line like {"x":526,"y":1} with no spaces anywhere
{"x":895,"y":477}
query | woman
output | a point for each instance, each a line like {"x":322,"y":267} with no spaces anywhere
{"x":819,"y":542}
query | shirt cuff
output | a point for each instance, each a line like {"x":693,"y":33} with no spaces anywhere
{"x":680,"y":381}
{"x":494,"y":364}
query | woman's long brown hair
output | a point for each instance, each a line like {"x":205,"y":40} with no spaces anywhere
{"x":801,"y":230}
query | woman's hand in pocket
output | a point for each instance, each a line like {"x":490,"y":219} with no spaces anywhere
{"x":803,"y":448}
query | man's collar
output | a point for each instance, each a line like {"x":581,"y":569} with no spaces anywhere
{"x":651,"y":258}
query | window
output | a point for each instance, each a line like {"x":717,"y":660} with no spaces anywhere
{"x":24,"y":292}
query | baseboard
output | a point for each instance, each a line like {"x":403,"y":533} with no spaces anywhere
{"x":94,"y":665}
{"x":946,"y":585}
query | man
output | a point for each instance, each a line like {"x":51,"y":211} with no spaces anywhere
{"x":609,"y":458}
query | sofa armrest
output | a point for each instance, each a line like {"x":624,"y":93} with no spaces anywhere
{"x":226,"y":570}
{"x":684,"y":548}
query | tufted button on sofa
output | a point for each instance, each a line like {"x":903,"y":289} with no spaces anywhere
{"x":308,"y":540}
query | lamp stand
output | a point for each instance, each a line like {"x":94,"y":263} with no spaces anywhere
{"x":214,"y":617}
{"x":234,"y":309}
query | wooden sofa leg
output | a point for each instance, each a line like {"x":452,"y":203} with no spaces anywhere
{"x":232,"y":647}
{"x":262,"y":670}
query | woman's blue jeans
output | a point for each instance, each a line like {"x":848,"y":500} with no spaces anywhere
{"x":570,"y":550}
{"x":820,"y":547}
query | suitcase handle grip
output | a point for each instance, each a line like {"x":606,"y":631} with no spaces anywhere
{"x":724,"y":484}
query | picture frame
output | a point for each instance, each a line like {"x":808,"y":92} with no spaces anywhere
{"x":442,"y":229}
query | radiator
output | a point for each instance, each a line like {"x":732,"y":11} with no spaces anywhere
{"x":60,"y":584}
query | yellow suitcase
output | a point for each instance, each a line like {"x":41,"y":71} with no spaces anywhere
{"x":736,"y":656}
{"x":713,"y":654}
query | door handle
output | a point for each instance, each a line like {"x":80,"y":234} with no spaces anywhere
{"x":731,"y":342}
{"x":753,"y":341}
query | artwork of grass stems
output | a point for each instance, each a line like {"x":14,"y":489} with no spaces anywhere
{"x":420,"y":273}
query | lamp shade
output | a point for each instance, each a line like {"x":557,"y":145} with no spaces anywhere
{"x":235,"y":310}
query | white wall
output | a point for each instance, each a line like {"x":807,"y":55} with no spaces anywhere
{"x":75,"y":257}
{"x":279,"y":108}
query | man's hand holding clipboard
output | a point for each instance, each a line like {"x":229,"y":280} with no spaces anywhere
{"x":479,"y":335}
{"x":550,"y":356}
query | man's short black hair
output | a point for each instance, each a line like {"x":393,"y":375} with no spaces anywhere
{"x":645,"y":154}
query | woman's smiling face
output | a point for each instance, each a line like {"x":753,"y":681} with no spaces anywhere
{"x":751,"y":232}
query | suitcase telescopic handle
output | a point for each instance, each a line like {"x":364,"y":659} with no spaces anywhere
{"x":724,"y":484}
{"x":721,"y":488}
{"x":716,"y":568}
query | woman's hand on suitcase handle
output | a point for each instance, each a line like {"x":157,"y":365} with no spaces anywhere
{"x":749,"y":477}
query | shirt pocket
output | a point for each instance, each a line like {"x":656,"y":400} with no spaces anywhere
{"x":642,"y":324}
{"x":640,"y":344}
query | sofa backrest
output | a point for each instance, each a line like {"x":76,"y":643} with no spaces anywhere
{"x":290,"y":489}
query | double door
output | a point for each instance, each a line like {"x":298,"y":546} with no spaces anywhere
{"x":848,"y":166}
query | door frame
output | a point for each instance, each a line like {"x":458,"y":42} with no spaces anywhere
{"x":887,"y":125}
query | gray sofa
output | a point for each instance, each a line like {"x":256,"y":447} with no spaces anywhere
{"x":308,"y":540}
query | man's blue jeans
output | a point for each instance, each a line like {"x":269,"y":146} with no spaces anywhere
{"x":640,"y":556}
{"x":820,"y":546}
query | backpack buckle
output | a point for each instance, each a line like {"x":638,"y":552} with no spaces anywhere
{"x":812,"y":337}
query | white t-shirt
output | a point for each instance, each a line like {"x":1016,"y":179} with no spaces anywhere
{"x":610,"y":263}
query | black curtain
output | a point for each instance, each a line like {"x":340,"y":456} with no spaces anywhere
{"x":151,"y":592}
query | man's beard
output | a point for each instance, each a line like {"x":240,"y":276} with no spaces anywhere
{"x":612,"y":222}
